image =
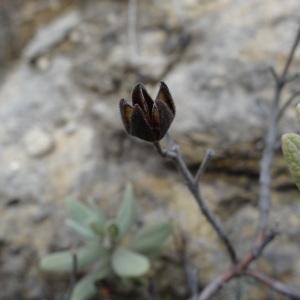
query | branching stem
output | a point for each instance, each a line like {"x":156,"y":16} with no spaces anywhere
{"x":264,"y":234}
{"x":194,"y":187}
{"x":271,"y":137}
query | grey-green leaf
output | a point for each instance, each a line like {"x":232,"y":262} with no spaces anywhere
{"x":291,"y":152}
{"x":82,"y":214}
{"x":126,"y":213}
{"x":83,"y":230}
{"x":127,"y":263}
{"x":151,"y":238}
{"x":62,"y":262}
{"x":85,"y":289}
{"x":98,"y":228}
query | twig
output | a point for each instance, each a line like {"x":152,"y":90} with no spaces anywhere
{"x":236,"y":271}
{"x":207,"y":158}
{"x":175,"y":155}
{"x":274,"y":74}
{"x":190,"y":272}
{"x":274,"y":284}
{"x":288,"y":102}
{"x":264,"y":236}
{"x":270,"y":141}
{"x":238,"y":290}
{"x":291,"y":56}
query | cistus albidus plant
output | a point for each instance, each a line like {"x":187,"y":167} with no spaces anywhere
{"x":110,"y":246}
{"x":149,"y":121}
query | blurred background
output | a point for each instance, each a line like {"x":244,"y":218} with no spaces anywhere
{"x":64,"y":66}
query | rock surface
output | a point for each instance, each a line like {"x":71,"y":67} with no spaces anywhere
{"x":38,"y":143}
{"x":61,"y":133}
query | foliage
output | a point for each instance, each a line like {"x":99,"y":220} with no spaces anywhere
{"x":108,"y":245}
{"x":291,"y":151}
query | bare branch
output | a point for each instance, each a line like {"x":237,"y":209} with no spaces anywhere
{"x":236,"y":271}
{"x":264,"y":236}
{"x":205,"y":161}
{"x":265,"y":172}
{"x":274,"y":284}
{"x":194,"y":188}
{"x":270,"y":141}
{"x":216,"y":285}
{"x":190,"y":271}
{"x":291,"y":56}
{"x":274,"y":74}
{"x":284,"y":107}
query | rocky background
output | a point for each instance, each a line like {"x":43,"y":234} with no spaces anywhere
{"x":65,"y":65}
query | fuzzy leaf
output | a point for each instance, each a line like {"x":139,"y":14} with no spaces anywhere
{"x":84,"y":231}
{"x":151,"y":238}
{"x":127,"y":263}
{"x":62,"y":262}
{"x":98,"y":228}
{"x":126,"y":213}
{"x":291,"y":152}
{"x":85,"y":289}
{"x":82,"y":214}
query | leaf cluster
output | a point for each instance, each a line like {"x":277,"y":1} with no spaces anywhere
{"x":108,"y":245}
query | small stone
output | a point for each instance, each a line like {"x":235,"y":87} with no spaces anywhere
{"x":38,"y":143}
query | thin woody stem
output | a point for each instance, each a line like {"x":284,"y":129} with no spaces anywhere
{"x":193,"y":186}
{"x":274,"y":284}
{"x":236,"y":271}
{"x":263,"y":238}
{"x":288,"y":102}
{"x":270,"y":140}
{"x":207,"y":158}
{"x":291,"y":56}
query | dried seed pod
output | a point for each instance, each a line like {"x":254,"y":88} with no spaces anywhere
{"x":146,"y":118}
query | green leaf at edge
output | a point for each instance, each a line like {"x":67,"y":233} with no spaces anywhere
{"x":291,"y":152}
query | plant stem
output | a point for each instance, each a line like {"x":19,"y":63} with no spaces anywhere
{"x":193,"y":186}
